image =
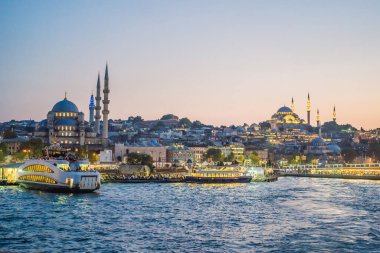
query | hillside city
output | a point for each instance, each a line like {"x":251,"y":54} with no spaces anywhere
{"x":175,"y":141}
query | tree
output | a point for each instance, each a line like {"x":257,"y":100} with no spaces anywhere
{"x":264,"y":126}
{"x":168,"y":117}
{"x":214,"y":154}
{"x":2,"y":157}
{"x":231,"y":157}
{"x":254,"y":158}
{"x":34,"y":147}
{"x":19,"y":156}
{"x":135,"y":120}
{"x":140,"y":159}
{"x":349,"y":154}
{"x":374,"y":148}
{"x":9,"y":134}
{"x":332,"y":126}
{"x":185,"y":122}
{"x":159,"y":126}
{"x":93,"y":157}
{"x":196,"y":124}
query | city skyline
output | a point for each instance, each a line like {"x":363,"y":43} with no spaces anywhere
{"x":219,"y":62}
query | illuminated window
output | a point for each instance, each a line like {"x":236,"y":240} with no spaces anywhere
{"x":38,"y":168}
{"x":38,"y":178}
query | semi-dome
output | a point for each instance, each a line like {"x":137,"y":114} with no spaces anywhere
{"x":334,"y":148}
{"x":284,"y":109}
{"x":65,"y":106}
{"x":65,"y":122}
{"x":317,"y":141}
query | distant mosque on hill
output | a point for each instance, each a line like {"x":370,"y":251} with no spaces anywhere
{"x":286,"y":119}
{"x":66,"y":125}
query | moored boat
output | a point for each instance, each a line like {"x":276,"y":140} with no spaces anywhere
{"x":221,"y":175}
{"x":58,"y":176}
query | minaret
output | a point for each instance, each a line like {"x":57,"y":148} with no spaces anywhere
{"x":292,"y":106}
{"x":318,"y":119}
{"x":97,"y":107}
{"x":308,"y":109}
{"x":91,"y":107}
{"x":334,"y":115}
{"x":106,"y":101}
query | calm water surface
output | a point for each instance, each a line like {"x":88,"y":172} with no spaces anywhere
{"x":290,"y":215}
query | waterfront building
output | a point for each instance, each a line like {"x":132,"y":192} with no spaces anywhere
{"x":180,"y":155}
{"x":66,"y":125}
{"x":155,"y":150}
{"x":13,"y":145}
{"x":106,"y":156}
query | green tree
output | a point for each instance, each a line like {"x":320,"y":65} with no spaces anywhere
{"x":168,"y":117}
{"x":254,"y":158}
{"x":34,"y":147}
{"x":214,"y":154}
{"x":374,"y":149}
{"x":140,"y":159}
{"x":159,"y":126}
{"x":9,"y":134}
{"x":92,"y":157}
{"x":230,"y":157}
{"x":185,"y":122}
{"x":264,"y":126}
{"x":349,"y":154}
{"x":2,"y":157}
{"x":196,"y":124}
{"x":293,"y":159}
{"x":19,"y":156}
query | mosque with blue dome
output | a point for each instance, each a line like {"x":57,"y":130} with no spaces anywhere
{"x":66,"y":125}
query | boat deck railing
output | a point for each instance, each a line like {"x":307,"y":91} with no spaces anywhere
{"x":330,"y":166}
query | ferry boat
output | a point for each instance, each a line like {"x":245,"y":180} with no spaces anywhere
{"x":220,"y":175}
{"x":58,"y":176}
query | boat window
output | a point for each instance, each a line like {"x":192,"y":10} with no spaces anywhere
{"x":38,"y":178}
{"x":38,"y":168}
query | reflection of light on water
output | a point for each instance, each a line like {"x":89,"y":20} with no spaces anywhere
{"x":361,"y":181}
{"x":208,"y":185}
{"x":62,"y":199}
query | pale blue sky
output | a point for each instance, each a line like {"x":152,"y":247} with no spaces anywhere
{"x":222,"y":62}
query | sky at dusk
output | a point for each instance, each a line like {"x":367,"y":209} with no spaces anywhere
{"x":220,"y":62}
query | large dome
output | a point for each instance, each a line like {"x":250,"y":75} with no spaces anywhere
{"x":65,"y":106}
{"x":284,"y":109}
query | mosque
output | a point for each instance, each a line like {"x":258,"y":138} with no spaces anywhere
{"x":65,"y":124}
{"x":286,"y":119}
